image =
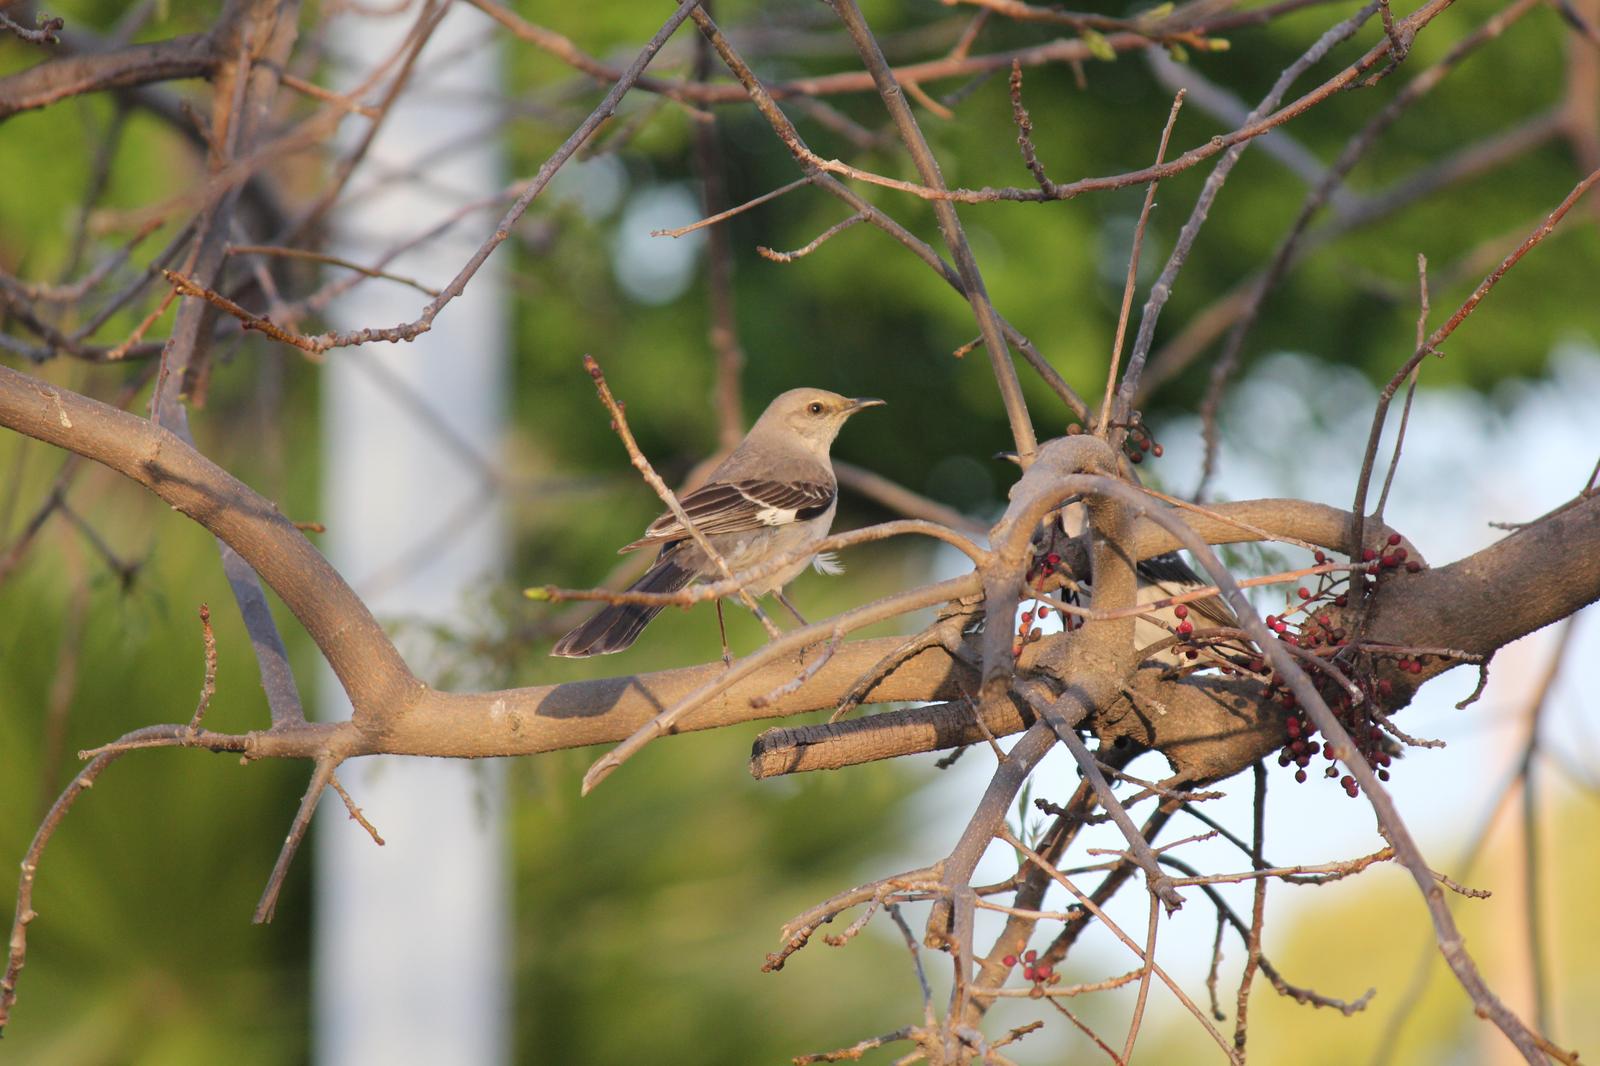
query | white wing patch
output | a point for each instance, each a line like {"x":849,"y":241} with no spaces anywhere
{"x":775,"y":516}
{"x":827,"y":563}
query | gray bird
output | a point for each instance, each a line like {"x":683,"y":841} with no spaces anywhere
{"x":774,"y":494}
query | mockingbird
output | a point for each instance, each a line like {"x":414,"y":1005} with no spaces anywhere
{"x":1159,"y":577}
{"x":774,"y":494}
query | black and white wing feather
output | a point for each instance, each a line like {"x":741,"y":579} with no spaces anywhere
{"x":1174,"y":576}
{"x":738,"y":507}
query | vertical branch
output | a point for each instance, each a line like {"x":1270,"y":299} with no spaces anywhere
{"x":1258,"y":913}
{"x":1162,"y":289}
{"x":1438,"y":337}
{"x":1102,"y":426}
{"x":1145,"y":973}
{"x":1411,"y":386}
{"x":1530,"y":823}
{"x":719,"y":264}
{"x":955,"y":238}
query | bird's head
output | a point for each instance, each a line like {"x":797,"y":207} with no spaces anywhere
{"x":815,"y":415}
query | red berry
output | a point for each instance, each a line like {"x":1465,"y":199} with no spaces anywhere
{"x":1009,"y":960}
{"x":1182,"y":610}
{"x":1300,"y":776}
{"x":1156,"y":450}
{"x":1185,"y":628}
{"x":1413,"y":566}
{"x":1394,"y":538}
{"x":1303,"y":592}
{"x":1319,"y":556}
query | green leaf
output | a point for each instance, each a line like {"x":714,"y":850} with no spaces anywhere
{"x":1098,"y":46}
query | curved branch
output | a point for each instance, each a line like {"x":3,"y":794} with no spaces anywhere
{"x":367,"y":664}
{"x":192,"y":55}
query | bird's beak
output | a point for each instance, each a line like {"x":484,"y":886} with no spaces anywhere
{"x":862,"y":402}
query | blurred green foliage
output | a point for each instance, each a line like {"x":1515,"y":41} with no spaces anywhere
{"x":643,"y":912}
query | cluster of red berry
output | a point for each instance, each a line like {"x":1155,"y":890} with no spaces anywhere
{"x":1044,"y":567}
{"x":1318,"y":628}
{"x":1040,"y":973}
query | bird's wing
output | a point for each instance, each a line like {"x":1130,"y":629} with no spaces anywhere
{"x":739,"y":506}
{"x":1171,"y":573}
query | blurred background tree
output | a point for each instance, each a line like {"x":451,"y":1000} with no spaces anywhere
{"x":643,"y":911}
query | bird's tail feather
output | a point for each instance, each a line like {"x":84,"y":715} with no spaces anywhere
{"x":618,"y":625}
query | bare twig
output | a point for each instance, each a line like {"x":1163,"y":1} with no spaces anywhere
{"x":208,"y":687}
{"x":619,"y":423}
{"x":320,"y":777}
{"x":1102,"y":425}
{"x":949,"y":225}
{"x":812,"y":245}
{"x":1438,"y":337}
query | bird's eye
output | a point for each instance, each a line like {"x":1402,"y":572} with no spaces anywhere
{"x":815,"y":408}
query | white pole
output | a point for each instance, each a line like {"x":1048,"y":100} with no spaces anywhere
{"x":410,"y":939}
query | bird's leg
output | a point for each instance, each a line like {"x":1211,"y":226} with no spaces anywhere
{"x":722,"y":628}
{"x":798,"y":617}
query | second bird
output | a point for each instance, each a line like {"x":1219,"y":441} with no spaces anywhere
{"x":774,"y":494}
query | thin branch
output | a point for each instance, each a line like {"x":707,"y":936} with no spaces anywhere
{"x":320,"y":777}
{"x":1258,"y":122}
{"x":354,"y":811}
{"x":47,"y":28}
{"x":607,"y":107}
{"x":949,"y":225}
{"x":619,"y":423}
{"x":17,"y":952}
{"x":1094,"y":909}
{"x":331,"y":260}
{"x":208,"y":687}
{"x":1102,"y":425}
{"x":811,"y":246}
{"x":1258,"y":911}
{"x":1438,"y":337}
